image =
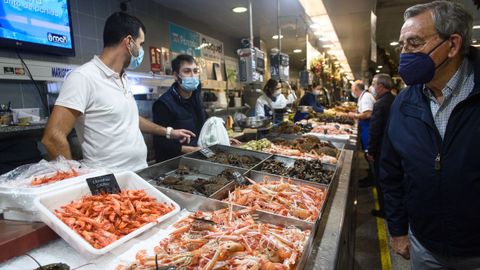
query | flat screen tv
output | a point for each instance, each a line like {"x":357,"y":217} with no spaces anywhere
{"x":37,"y":25}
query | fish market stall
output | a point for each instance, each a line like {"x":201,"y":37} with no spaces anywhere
{"x":244,"y":189}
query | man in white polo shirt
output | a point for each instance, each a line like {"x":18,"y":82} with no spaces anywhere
{"x":96,"y":98}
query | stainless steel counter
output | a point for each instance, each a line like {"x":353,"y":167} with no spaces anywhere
{"x":332,"y":243}
{"x":15,"y":131}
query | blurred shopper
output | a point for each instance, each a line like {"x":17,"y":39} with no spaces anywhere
{"x":429,"y":167}
{"x":97,"y":99}
{"x":381,"y":85}
{"x":181,"y":107}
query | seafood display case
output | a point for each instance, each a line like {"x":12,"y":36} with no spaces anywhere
{"x":232,"y":156}
{"x":191,"y":176}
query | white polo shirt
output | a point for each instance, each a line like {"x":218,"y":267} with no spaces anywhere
{"x":108,"y":129}
{"x":365,"y":102}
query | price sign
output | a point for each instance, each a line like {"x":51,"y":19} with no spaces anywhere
{"x":103,"y":184}
{"x":239,"y":179}
{"x":207,"y":152}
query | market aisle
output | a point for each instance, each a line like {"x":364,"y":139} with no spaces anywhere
{"x":368,"y":252}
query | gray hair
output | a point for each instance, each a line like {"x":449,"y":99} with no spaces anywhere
{"x":359,"y":85}
{"x":384,"y":79}
{"x":449,"y":18}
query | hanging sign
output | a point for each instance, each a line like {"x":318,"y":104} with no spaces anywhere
{"x":211,"y":48}
{"x":183,"y":40}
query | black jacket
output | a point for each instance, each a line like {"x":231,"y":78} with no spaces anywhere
{"x":171,"y":110}
{"x":433,"y":185}
{"x":378,"y":122}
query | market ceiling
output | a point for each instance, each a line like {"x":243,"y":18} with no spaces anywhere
{"x":351,"y":20}
{"x":219,"y":16}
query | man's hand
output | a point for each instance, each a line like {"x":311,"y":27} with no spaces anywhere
{"x":401,"y":246}
{"x":189,"y":149}
{"x":182,"y":135}
{"x":235,"y":141}
{"x":369,"y":157}
{"x":352,"y":115}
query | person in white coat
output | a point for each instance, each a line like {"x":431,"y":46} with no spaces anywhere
{"x":272,"y":98}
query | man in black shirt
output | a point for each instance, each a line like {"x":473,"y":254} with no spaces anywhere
{"x":382,"y":84}
{"x":180,"y":107}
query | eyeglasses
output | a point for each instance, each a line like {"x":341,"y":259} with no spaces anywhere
{"x":414,"y":44}
{"x":190,"y":71}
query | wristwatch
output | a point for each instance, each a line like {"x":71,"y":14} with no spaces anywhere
{"x":169,"y":132}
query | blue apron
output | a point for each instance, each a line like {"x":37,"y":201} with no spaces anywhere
{"x":364,"y":127}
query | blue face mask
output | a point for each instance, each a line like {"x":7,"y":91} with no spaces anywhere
{"x":189,"y":84}
{"x":136,"y":61}
{"x":418,"y":68}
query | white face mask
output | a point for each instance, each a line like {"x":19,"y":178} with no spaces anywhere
{"x":277,"y":93}
{"x":373,"y":91}
{"x":353,"y":94}
{"x":316,"y":92}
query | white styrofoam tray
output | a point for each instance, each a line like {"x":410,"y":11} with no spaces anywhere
{"x":48,"y":203}
{"x":16,"y":195}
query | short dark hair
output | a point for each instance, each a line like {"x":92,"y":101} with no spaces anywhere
{"x":270,"y":86}
{"x":118,"y":26}
{"x":179,"y":60}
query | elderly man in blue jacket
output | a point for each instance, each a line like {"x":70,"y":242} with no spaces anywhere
{"x":430,"y":161}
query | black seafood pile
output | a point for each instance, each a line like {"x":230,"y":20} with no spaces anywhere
{"x":310,"y":170}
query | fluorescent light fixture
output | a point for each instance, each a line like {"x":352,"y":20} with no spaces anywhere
{"x":323,"y":39}
{"x":476,"y":26}
{"x":378,"y":70}
{"x":476,"y":45}
{"x":239,"y":9}
{"x":326,"y":46}
{"x":394,"y":43}
{"x":297,"y":51}
{"x":276,"y":36}
{"x":379,"y":67}
{"x":474,"y":41}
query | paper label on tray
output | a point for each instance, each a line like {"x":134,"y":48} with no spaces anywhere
{"x":239,"y":178}
{"x":103,"y":184}
{"x":207,"y":152}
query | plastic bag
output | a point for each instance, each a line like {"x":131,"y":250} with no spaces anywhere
{"x":213,"y":132}
{"x":22,"y":176}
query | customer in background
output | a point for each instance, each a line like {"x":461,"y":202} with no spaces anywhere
{"x":381,"y":85}
{"x":429,"y":167}
{"x":310,"y":99}
{"x":271,"y":99}
{"x":97,"y":99}
{"x":180,"y":107}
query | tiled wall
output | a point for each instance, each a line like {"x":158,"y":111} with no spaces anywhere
{"x":88,"y":19}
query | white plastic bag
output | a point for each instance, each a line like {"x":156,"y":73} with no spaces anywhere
{"x":213,"y":132}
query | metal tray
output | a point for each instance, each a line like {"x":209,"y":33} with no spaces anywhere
{"x":199,"y":169}
{"x":260,"y":176}
{"x":231,"y":150}
{"x":288,"y":161}
{"x":192,"y":202}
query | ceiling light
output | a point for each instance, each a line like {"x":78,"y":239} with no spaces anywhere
{"x":378,"y":70}
{"x":379,"y":67}
{"x":323,"y":39}
{"x":326,"y":46}
{"x":393,"y":43}
{"x":477,"y":45}
{"x":474,"y":41}
{"x":276,"y":36}
{"x":476,"y":26}
{"x":297,"y":51}
{"x":239,"y":9}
